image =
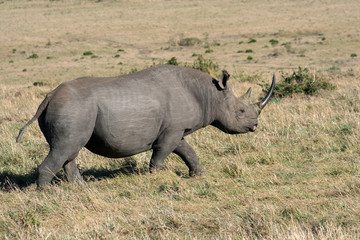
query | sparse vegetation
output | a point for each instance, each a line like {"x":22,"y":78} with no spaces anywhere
{"x":252,"y":40}
{"x":187,"y":42}
{"x":353,"y":55}
{"x":249,"y":58}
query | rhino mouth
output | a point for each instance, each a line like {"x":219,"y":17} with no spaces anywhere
{"x":253,"y":128}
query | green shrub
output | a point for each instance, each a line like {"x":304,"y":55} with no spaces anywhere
{"x":172,"y":61}
{"x":274,"y":42}
{"x":39,"y":84}
{"x":252,"y":40}
{"x":249,"y":58}
{"x":88,"y":53}
{"x":249,"y":51}
{"x":209,"y":50}
{"x":298,"y":82}
{"x":33,"y":56}
{"x":353,"y":55}
{"x":205,"y":65}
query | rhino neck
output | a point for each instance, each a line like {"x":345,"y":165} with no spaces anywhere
{"x":222,"y":100}
{"x":211,"y":101}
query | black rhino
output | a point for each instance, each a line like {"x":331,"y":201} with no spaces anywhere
{"x":152,"y":109}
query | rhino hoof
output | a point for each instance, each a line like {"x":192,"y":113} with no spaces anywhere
{"x":196,"y":172}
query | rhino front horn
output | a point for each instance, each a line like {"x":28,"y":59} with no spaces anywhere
{"x":268,"y":95}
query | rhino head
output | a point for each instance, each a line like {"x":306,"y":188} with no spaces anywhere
{"x":236,"y":114}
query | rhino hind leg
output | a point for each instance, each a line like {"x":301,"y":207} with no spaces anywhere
{"x":72,"y":171}
{"x":188,"y":155}
{"x":57,"y":158}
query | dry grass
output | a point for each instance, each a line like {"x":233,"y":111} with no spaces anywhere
{"x":297,"y":177}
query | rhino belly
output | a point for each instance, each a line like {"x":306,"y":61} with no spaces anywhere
{"x":103,"y":147}
{"x":120,"y":136}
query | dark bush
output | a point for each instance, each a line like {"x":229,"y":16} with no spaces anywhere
{"x":299,"y":81}
{"x":172,"y":61}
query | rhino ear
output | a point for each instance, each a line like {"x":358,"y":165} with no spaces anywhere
{"x":223,"y":78}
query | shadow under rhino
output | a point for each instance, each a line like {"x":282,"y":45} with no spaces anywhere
{"x":10,"y":181}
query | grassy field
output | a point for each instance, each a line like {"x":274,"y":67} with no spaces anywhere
{"x":296,"y":177}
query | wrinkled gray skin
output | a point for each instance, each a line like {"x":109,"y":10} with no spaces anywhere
{"x":152,"y":109}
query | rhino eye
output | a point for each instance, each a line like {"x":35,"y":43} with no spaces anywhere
{"x":240,"y":113}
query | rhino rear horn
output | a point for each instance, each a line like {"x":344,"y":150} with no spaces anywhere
{"x":223,"y":78}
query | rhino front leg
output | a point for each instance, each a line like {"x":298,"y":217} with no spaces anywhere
{"x":163,"y":146}
{"x":188,"y":155}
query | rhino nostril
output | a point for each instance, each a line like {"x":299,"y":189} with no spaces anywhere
{"x":254,"y":127}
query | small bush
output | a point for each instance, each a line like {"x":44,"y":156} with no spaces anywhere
{"x":117,"y":56}
{"x":249,"y":51}
{"x":14,"y":50}
{"x":353,"y":55}
{"x":33,"y":56}
{"x":274,"y":42}
{"x":88,"y":53}
{"x":252,"y":40}
{"x":205,"y":65}
{"x":249,"y":58}
{"x":209,"y":50}
{"x":172,"y":61}
{"x":121,"y":50}
{"x":39,"y":83}
{"x":186,"y":42}
{"x":298,"y":82}
{"x":133,"y":70}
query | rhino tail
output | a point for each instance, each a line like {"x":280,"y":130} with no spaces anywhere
{"x":40,"y":110}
